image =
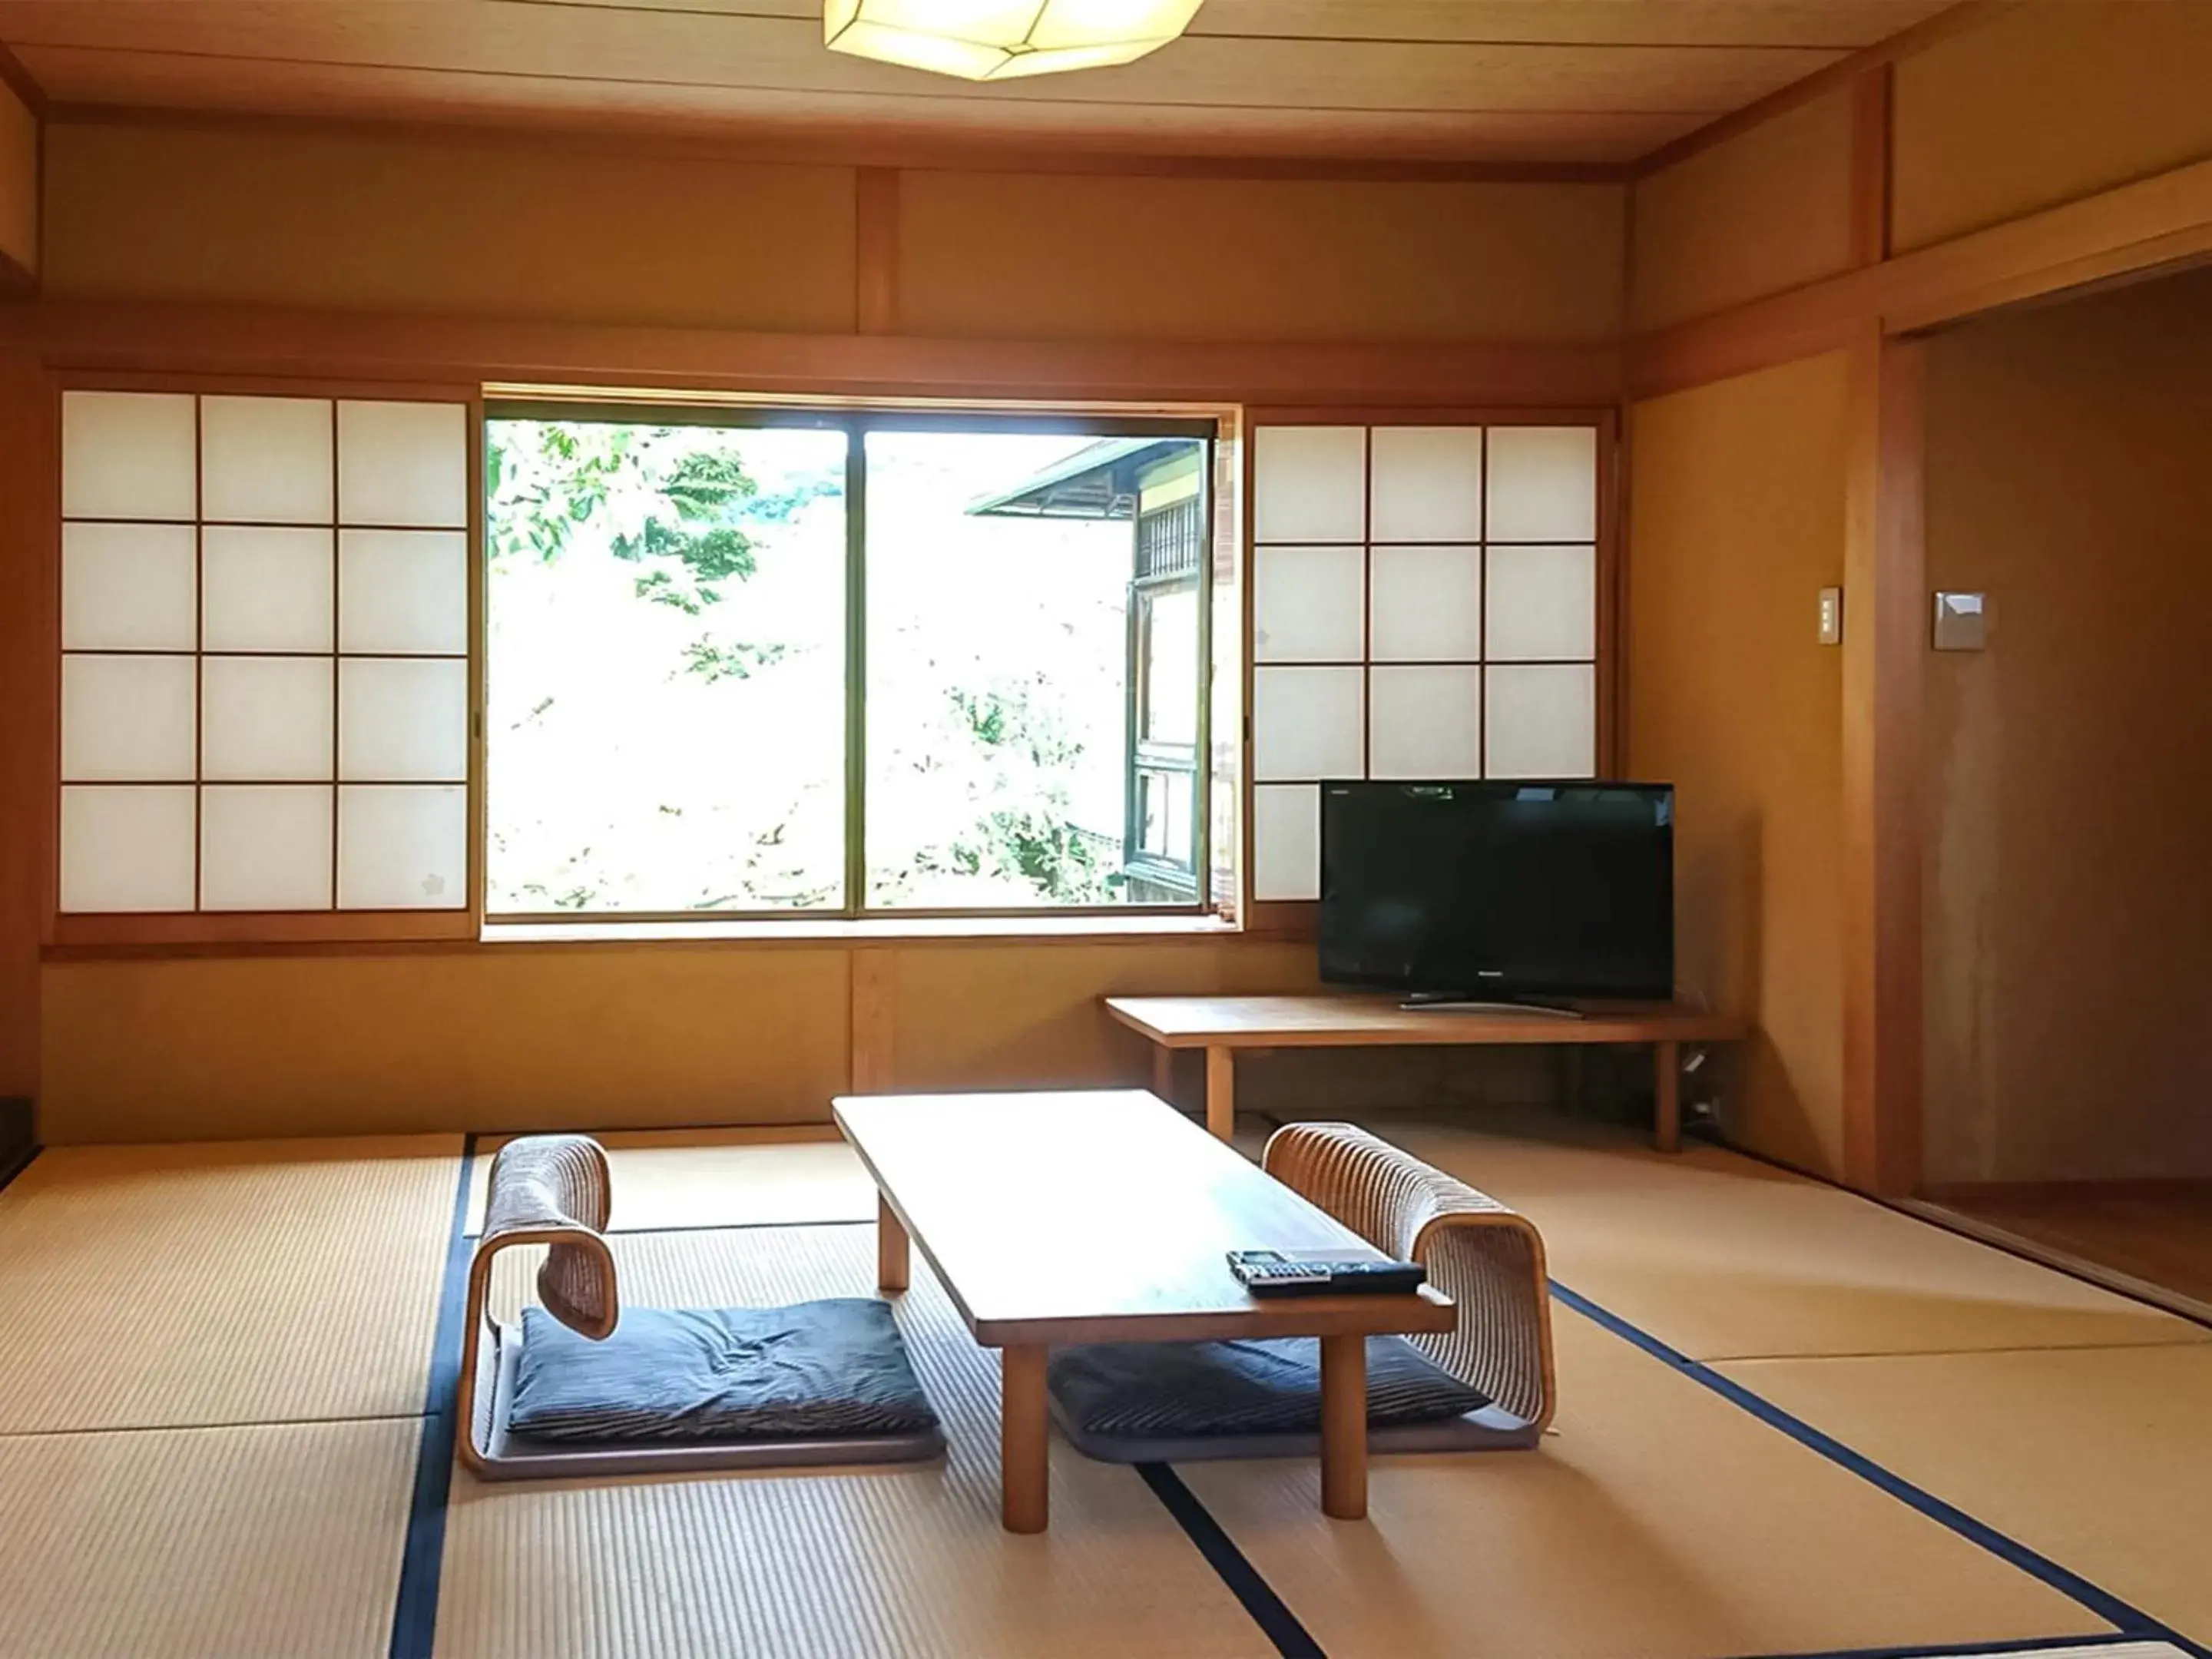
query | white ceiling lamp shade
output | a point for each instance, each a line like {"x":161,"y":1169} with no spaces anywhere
{"x":1002,"y":39}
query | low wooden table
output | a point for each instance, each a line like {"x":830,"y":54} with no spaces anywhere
{"x":1107,"y":1217}
{"x":1222,"y":1025}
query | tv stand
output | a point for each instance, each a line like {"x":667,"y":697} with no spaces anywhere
{"x":1454,"y":1002}
{"x":1222,"y":1025}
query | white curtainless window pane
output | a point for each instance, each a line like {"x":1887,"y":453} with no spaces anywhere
{"x":1307,"y":723}
{"x":265,"y":848}
{"x":128,"y":587}
{"x":127,"y":847}
{"x":1543,"y":483}
{"x":403,"y":847}
{"x":1286,"y":842}
{"x":1424,"y":722}
{"x":403,"y":464}
{"x":266,"y":460}
{"x":128,"y":719}
{"x":128,"y":455}
{"x":1310,"y":483}
{"x":1428,"y":484}
{"x":1540,"y":720}
{"x":265,"y":717}
{"x":268,"y":589}
{"x":403,"y":720}
{"x":403,"y":591}
{"x":1427,"y":603}
{"x":1308,"y":604}
{"x":1543,"y":603}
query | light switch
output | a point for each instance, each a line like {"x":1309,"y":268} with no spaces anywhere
{"x":1961,"y":621}
{"x":1832,"y":616}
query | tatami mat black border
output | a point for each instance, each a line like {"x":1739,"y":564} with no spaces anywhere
{"x":1268,"y":1610}
{"x":422,"y":1559}
{"x":2129,"y":1621}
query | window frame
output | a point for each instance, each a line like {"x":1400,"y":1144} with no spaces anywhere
{"x":857,"y":421}
{"x":94,"y":929}
{"x":1299,"y":919}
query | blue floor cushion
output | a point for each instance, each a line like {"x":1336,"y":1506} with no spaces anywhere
{"x":818,"y":1369}
{"x":1181,"y":1389}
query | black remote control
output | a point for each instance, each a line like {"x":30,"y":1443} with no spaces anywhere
{"x":1270,"y":1273}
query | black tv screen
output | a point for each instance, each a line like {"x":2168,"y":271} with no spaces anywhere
{"x":1495,"y":891}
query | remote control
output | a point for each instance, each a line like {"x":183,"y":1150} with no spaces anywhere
{"x":1270,"y":1273}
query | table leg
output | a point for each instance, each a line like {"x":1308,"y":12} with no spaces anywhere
{"x":1666,"y":1059}
{"x":890,"y":1247}
{"x":1221,"y":1093}
{"x":1025,"y":1495}
{"x":1163,"y":1071}
{"x":1343,"y":1427}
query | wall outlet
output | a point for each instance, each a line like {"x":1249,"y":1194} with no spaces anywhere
{"x":1832,"y":616}
{"x":1962,"y":621}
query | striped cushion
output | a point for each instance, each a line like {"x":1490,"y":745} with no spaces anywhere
{"x":1271,"y":1386}
{"x":819,"y":1369}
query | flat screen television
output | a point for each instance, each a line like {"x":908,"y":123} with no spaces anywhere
{"x":1499,"y":891}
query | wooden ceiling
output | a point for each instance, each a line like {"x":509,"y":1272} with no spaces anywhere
{"x":1501,"y":82}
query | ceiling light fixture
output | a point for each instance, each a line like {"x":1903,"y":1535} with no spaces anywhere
{"x":1000,"y":39}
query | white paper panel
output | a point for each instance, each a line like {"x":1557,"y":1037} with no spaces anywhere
{"x":265,"y":848}
{"x":1307,"y":723}
{"x":1424,"y":722}
{"x":1310,"y":483}
{"x":1542,"y":603}
{"x":1308,"y":604}
{"x":1427,"y":604}
{"x":1540,"y":720}
{"x":403,"y":591}
{"x":268,"y":589}
{"x":403,"y":849}
{"x":127,"y":849}
{"x":263,"y":718}
{"x":127,"y":718}
{"x":1428,"y":484}
{"x":128,"y":455}
{"x":1543,"y":483}
{"x":403,"y":720}
{"x":1287,"y":841}
{"x":128,"y":586}
{"x":403,"y":464}
{"x":266,"y":460}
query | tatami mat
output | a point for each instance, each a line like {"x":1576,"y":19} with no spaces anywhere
{"x":1724,"y":1257}
{"x":2102,"y":1460}
{"x":238,"y":1282}
{"x":1659,"y":1520}
{"x":907,"y":1560}
{"x":245,"y":1543}
{"x":720,"y":1178}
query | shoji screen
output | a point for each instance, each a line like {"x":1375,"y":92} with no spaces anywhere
{"x":264,"y":653}
{"x":1424,"y":606}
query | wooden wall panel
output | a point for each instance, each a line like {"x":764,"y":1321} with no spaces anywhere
{"x":2069,"y":897}
{"x":28,"y":717}
{"x":450,"y":223}
{"x":1002,"y":1017}
{"x":525,"y":1038}
{"x":1737,"y":493}
{"x":19,"y":182}
{"x":1765,"y":210}
{"x":2052,"y":102}
{"x":1035,"y":257}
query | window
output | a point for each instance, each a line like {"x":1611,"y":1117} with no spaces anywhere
{"x":806,"y":662}
{"x":1424,"y":606}
{"x":264,"y":654}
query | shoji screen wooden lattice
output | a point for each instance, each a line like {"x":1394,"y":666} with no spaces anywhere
{"x":1424,"y":606}
{"x":265,"y":653}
